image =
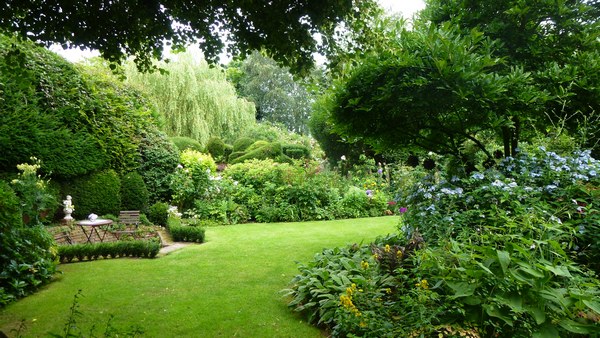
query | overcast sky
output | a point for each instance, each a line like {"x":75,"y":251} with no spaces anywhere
{"x":405,"y":7}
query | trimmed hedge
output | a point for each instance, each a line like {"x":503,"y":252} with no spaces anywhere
{"x":216,"y":148}
{"x":295,"y":151}
{"x":134,"y":194}
{"x":186,"y":233}
{"x":81,"y":252}
{"x":242,"y":143}
{"x":158,"y":213}
{"x":266,"y":151}
{"x":182,"y":143}
{"x":98,"y":193}
{"x":159,"y":158}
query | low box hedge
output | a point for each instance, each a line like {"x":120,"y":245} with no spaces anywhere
{"x":187,"y":233}
{"x":81,"y":252}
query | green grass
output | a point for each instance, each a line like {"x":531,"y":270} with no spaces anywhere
{"x":228,"y":287}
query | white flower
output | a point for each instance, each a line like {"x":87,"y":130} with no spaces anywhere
{"x":343,"y":157}
{"x":478,"y":176}
{"x":532,"y":246}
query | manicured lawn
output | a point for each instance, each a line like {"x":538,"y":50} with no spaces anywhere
{"x":227,"y":287}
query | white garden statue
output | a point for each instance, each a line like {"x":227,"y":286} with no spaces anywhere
{"x":68,"y":209}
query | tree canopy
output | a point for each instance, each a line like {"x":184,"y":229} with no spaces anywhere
{"x":557,"y":42}
{"x":279,"y":98}
{"x":462,"y":76}
{"x":140,"y":28}
{"x":194,"y":99}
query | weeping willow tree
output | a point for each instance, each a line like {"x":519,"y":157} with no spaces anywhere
{"x":194,"y":99}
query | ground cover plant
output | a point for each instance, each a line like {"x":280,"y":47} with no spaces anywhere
{"x":510,"y":251}
{"x":228,"y":286}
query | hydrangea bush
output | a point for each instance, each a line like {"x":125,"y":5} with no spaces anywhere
{"x":539,"y":187}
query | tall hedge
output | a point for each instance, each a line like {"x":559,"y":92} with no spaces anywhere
{"x":42,"y":99}
{"x":77,"y":119}
{"x":158,"y":160}
{"x":98,"y":193}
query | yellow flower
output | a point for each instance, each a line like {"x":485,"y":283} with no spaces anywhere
{"x":387,"y":248}
{"x":423,"y":284}
{"x":362,"y":324}
{"x":364,"y":265}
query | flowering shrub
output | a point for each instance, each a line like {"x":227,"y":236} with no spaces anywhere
{"x":541,"y":184}
{"x":33,"y":191}
{"x":192,"y":178}
{"x":27,"y":257}
{"x":501,"y":259}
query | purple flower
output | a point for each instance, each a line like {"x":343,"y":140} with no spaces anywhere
{"x":403,"y":210}
{"x":369,"y":193}
{"x":380,"y":171}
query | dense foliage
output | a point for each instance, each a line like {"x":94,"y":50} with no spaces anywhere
{"x":45,"y":109}
{"x":182,"y":143}
{"x":502,"y":252}
{"x":268,"y":191}
{"x":158,"y":160}
{"x":556,"y":43}
{"x":139,"y":29}
{"x":27,"y":257}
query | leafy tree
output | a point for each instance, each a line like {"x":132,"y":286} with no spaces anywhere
{"x":436,"y":91}
{"x":139,"y":28}
{"x":194,"y":99}
{"x":278,"y":97}
{"x":556,"y":41}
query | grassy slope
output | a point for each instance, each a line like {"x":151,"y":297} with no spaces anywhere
{"x":226,"y":287}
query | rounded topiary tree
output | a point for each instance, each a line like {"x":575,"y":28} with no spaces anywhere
{"x":242,"y":143}
{"x":216,"y":147}
{"x":134,"y":194}
{"x":182,"y":143}
{"x":98,"y":193}
{"x":158,"y":213}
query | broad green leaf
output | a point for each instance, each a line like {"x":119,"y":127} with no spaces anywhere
{"x":558,"y":270}
{"x":546,"y":331}
{"x":592,"y":305}
{"x":504,"y":259}
{"x":538,"y":314}
{"x":485,"y":268}
{"x":575,"y":327}
{"x":462,"y":289}
{"x":512,"y":300}
{"x":494,"y":311}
